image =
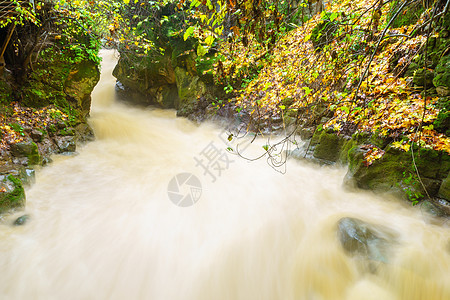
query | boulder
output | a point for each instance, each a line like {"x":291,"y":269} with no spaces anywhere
{"x":12,"y":194}
{"x":149,"y":77}
{"x":444,"y":190}
{"x":21,"y":220}
{"x":328,"y":146}
{"x":436,"y":207}
{"x":66,"y":143}
{"x":442,"y":79}
{"x":423,"y":77}
{"x":190,"y":89}
{"x":82,"y":79}
{"x":36,"y":135}
{"x":365,"y":240}
{"x":393,"y":172}
{"x":26,"y":149}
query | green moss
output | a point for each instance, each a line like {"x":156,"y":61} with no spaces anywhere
{"x":442,"y":71}
{"x":444,"y":191}
{"x":442,"y":122}
{"x":6,"y":92}
{"x":410,"y":14}
{"x":328,"y":147}
{"x":14,"y":197}
{"x":67,"y":131}
{"x":395,"y":171}
{"x":344,"y":154}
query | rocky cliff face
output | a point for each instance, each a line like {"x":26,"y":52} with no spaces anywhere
{"x":43,"y":107}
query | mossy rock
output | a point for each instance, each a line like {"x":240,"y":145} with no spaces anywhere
{"x":442,"y":122}
{"x":444,"y":190}
{"x":167,"y":96}
{"x":13,"y":193}
{"x":190,"y":88}
{"x":328,"y":146}
{"x":442,"y":79}
{"x":344,"y":154}
{"x":395,"y":172}
{"x":383,"y":175}
{"x":410,"y":14}
{"x":145,"y":76}
{"x":27,"y":149}
{"x":82,"y":79}
{"x":423,"y":77}
{"x":6,"y":92}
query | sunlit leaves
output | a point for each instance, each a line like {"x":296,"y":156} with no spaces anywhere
{"x":189,"y":31}
{"x":386,"y":104}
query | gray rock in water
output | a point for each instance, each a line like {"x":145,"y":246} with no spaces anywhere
{"x":366,"y":240}
{"x":66,"y":144}
{"x":21,"y":220}
{"x":436,"y":207}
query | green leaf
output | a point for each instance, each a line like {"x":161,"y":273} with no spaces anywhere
{"x":266,"y":147}
{"x":307,"y":90}
{"x":345,"y":109}
{"x":188,"y":32}
{"x":209,"y":40}
{"x":201,"y":51}
{"x":333,"y":16}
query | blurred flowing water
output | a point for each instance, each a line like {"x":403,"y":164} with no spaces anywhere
{"x":103,"y":227}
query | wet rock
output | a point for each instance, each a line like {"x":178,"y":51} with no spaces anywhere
{"x":12,"y":194}
{"x":391,"y":173}
{"x":365,"y":240}
{"x":328,"y":147}
{"x":443,"y":91}
{"x":306,"y":133}
{"x":46,"y":160}
{"x":82,"y":79}
{"x":436,"y":207}
{"x":442,"y":79}
{"x":84,"y":133}
{"x":27,"y":176}
{"x":66,"y":144}
{"x":423,"y":77}
{"x":36,"y":135}
{"x":442,"y":205}
{"x":444,"y":190}
{"x":190,"y":88}
{"x":21,"y":220}
{"x":26,"y":149}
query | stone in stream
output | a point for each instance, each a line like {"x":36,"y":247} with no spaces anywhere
{"x":436,"y":207}
{"x":365,"y":240}
{"x":21,"y":220}
{"x":26,"y":149}
{"x":66,"y":144}
{"x":12,"y":194}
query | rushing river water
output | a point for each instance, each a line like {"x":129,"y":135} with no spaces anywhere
{"x":103,"y":225}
